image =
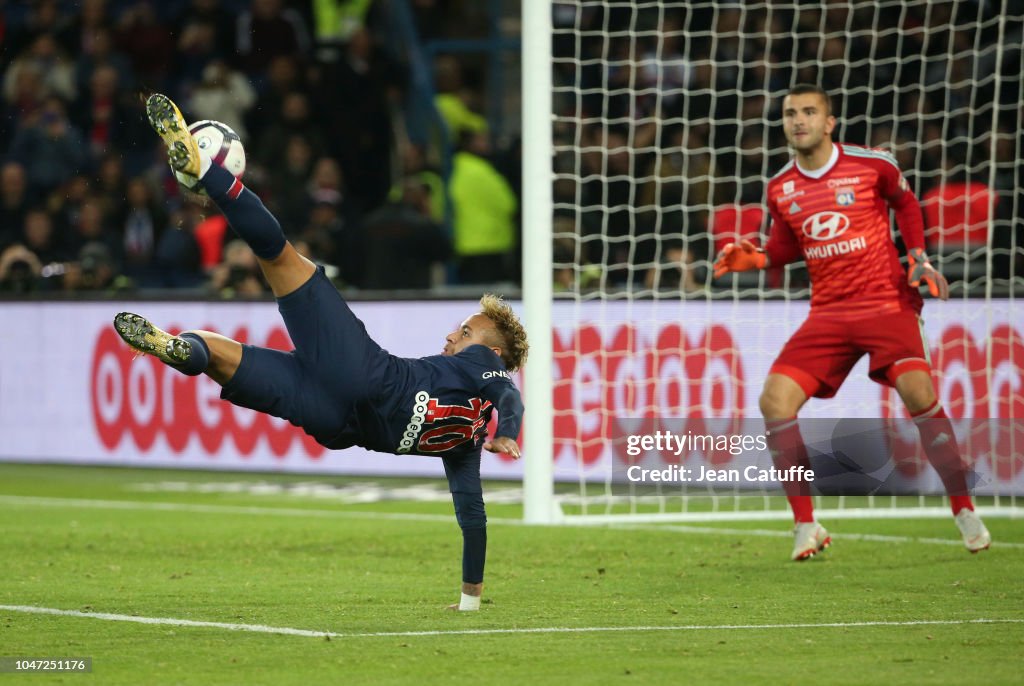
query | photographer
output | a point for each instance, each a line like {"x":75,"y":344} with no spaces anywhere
{"x":20,"y":270}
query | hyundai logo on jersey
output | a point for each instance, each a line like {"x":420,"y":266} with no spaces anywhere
{"x":824,"y":226}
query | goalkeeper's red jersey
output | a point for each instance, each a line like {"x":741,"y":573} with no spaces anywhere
{"x":838,"y":221}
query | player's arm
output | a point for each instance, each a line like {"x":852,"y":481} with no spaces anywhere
{"x":509,"y":404}
{"x":782,"y":248}
{"x":471,"y":514}
{"x":910,"y":222}
{"x":490,"y":381}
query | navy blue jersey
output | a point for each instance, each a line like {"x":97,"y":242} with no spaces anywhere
{"x":438,"y":405}
{"x":343,"y":389}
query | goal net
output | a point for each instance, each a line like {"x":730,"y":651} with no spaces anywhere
{"x":666,"y":125}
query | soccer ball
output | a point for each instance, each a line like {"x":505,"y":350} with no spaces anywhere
{"x":222,"y":144}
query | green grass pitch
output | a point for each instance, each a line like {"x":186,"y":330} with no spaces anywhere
{"x":649,"y":604}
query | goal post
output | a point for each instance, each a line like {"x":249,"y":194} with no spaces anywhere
{"x":538,"y":487}
{"x":649,"y":132}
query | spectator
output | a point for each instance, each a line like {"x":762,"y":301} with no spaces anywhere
{"x":572,"y":272}
{"x":607,"y":201}
{"x":224,"y":95}
{"x":328,"y":175}
{"x":13,"y":202}
{"x":65,"y":205}
{"x":457,"y":102}
{"x":335,"y":236}
{"x":141,"y":222}
{"x":95,"y":270}
{"x":99,"y":114}
{"x":405,"y":246}
{"x":334,"y":24}
{"x":23,"y":100}
{"x":94,"y":226}
{"x":414,"y":164}
{"x":176,"y":260}
{"x":674,"y":272}
{"x":290,"y":199}
{"x":20,"y":269}
{"x":78,"y":35}
{"x":210,"y":233}
{"x":51,"y":149}
{"x":484,"y":209}
{"x":146,"y":43}
{"x":104,"y":53}
{"x":283,"y":78}
{"x":110,"y":184}
{"x":359,"y":94}
{"x":45,"y":58}
{"x":45,"y":16}
{"x":39,"y":235}
{"x":211,"y":13}
{"x":267,"y":30}
{"x":293,"y":118}
{"x":196,"y":48}
{"x":238,"y":274}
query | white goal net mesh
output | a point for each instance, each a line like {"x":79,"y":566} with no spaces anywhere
{"x":666,"y":128}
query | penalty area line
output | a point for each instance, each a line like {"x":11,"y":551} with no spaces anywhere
{"x":264,"y":629}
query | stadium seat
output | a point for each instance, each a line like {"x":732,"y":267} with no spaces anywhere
{"x":957,"y":216}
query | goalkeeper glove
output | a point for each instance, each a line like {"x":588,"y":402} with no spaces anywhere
{"x":739,"y":258}
{"x":920,"y":269}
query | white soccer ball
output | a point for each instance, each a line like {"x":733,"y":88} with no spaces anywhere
{"x":222,"y":144}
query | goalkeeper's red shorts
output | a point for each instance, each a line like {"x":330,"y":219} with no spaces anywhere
{"x":821,"y":353}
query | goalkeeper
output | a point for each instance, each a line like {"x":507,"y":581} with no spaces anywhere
{"x":830,"y":207}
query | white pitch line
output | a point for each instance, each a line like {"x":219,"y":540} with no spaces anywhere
{"x":264,"y":629}
{"x":878,"y":538}
{"x":23,"y":500}
{"x":39,"y":501}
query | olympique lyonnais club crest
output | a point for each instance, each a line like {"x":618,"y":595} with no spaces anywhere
{"x":845,"y":197}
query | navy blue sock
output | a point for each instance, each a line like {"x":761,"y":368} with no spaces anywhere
{"x":472,"y":518}
{"x":198,"y":359}
{"x":474,"y":555}
{"x":245,"y":212}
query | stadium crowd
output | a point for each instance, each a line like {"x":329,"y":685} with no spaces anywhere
{"x":316,"y":92}
{"x":664,"y":134}
{"x":668,"y":126}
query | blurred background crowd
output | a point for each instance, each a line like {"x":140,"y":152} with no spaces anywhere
{"x":384,"y":134}
{"x":668,"y":127}
{"x":318,"y":91}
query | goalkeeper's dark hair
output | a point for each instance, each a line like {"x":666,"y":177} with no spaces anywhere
{"x":509,"y":334}
{"x":806,"y":88}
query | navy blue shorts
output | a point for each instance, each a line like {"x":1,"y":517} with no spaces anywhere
{"x":335,"y":364}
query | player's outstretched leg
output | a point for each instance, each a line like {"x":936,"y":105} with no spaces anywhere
{"x":165,"y":118}
{"x":191,"y":353}
{"x":146,"y":338}
{"x":284,"y":268}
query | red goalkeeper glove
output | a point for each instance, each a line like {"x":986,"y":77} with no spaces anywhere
{"x":920,"y":269}
{"x":739,"y":258}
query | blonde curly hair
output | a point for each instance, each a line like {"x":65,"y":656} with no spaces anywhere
{"x":509,"y":334}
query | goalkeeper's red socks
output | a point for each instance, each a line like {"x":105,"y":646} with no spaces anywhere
{"x":788,"y":450}
{"x":940,"y":446}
